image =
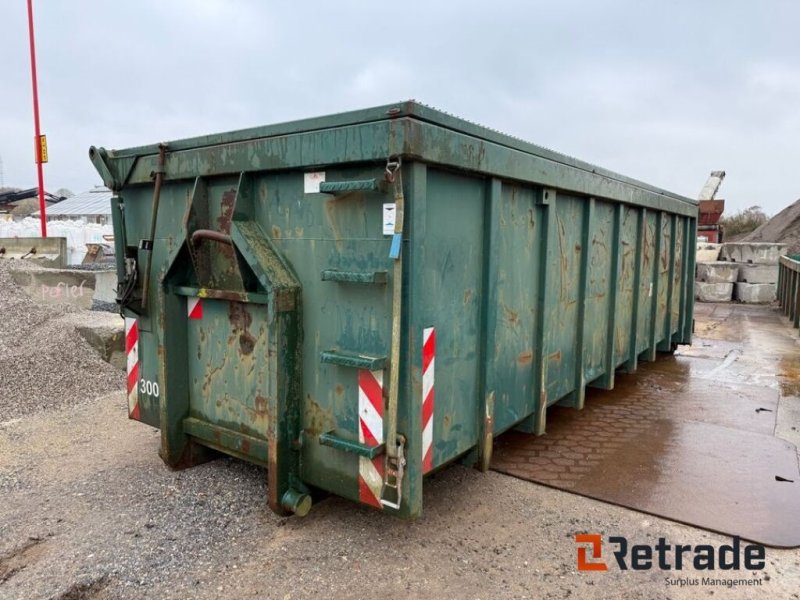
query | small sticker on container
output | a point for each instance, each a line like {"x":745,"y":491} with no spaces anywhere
{"x":650,"y":291}
{"x":389,"y":218}
{"x":311,"y":182}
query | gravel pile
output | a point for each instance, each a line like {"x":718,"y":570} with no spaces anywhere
{"x":44,"y":363}
{"x":103,"y":266}
{"x":783,"y":228}
{"x":101,"y":306}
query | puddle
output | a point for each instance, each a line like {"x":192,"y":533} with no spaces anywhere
{"x":689,"y":437}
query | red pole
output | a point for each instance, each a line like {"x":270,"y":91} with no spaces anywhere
{"x":38,"y":144}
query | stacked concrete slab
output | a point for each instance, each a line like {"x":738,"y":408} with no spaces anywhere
{"x":707,"y":252}
{"x":715,"y":280}
{"x":758,"y":253}
{"x":757,"y":278}
{"x":745,"y":271}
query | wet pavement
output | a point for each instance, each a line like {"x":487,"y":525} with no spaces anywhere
{"x":690,"y":437}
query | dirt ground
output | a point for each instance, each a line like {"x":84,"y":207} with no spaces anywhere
{"x":88,"y":510}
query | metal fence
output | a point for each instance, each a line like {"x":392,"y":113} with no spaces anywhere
{"x":788,"y":285}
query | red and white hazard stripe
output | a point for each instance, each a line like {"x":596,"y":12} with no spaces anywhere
{"x":428,"y":364}
{"x":370,"y":432}
{"x":132,"y":351}
{"x":194,"y":308}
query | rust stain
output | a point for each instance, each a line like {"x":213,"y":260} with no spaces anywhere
{"x":467,"y":296}
{"x":224,"y":223}
{"x":316,"y":418}
{"x":510,"y":316}
{"x":525,"y":358}
{"x":246,"y":343}
{"x":276,"y":232}
{"x":564,"y":260}
{"x":339,"y":389}
{"x":330,"y":215}
{"x":239,"y":317}
{"x":272,"y":472}
{"x":226,"y":214}
{"x":261,"y":404}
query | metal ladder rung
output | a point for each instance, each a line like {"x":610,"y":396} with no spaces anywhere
{"x":355,"y":276}
{"x":344,"y":187}
{"x":354,"y":360}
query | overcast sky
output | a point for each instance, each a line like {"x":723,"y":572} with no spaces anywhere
{"x":663,"y":91}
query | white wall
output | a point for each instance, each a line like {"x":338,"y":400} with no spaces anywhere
{"x":78,"y":234}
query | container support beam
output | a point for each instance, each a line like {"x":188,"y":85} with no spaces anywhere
{"x":666,"y":343}
{"x":536,"y":422}
{"x":577,"y":397}
{"x":688,"y":314}
{"x":633,"y":343}
{"x":606,"y":381}
{"x":650,"y":353}
{"x":684,"y":287}
{"x":488,"y":382}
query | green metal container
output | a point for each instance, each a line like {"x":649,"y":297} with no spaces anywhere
{"x":259,"y":281}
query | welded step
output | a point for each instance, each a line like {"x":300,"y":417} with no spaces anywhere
{"x":379,"y":277}
{"x":354,"y":360}
{"x":345,"y":187}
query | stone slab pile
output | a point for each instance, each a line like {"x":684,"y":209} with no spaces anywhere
{"x":743,"y":271}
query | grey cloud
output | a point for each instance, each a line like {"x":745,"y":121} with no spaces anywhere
{"x":661,"y":91}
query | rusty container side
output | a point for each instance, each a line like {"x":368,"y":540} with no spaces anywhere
{"x":266,"y":332}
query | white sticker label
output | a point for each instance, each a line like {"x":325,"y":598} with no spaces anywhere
{"x":389,"y":218}
{"x":311,"y":182}
{"x":650,"y":291}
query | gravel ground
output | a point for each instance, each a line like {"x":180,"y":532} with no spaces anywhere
{"x":44,"y":363}
{"x":99,"y":305}
{"x":88,"y":510}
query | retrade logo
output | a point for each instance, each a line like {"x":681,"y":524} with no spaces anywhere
{"x":597,"y":552}
{"x":668,"y":557}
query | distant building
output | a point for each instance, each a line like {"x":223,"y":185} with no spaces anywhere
{"x":93,"y":206}
{"x":21,"y":203}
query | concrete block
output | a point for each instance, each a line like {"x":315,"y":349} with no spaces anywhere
{"x":758,"y":273}
{"x":105,"y":287}
{"x":108,"y":339}
{"x":717,"y":272}
{"x":713,"y":292}
{"x":708,"y":252}
{"x":57,"y":286}
{"x":45,"y":252}
{"x":761,"y":253}
{"x":756,"y":293}
{"x":103,"y":331}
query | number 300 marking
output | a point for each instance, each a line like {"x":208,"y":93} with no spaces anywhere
{"x":148,"y":387}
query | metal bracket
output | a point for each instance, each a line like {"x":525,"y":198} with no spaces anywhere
{"x":392,"y":167}
{"x":334,"y":441}
{"x":392,"y":492}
